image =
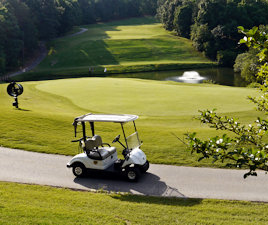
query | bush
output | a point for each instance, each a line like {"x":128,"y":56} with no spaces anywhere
{"x":226,"y":57}
{"x":247,"y":65}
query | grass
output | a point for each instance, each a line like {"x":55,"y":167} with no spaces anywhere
{"x":49,"y":107}
{"x":132,"y":45}
{"x":43,"y":124}
{"x":30,"y":204}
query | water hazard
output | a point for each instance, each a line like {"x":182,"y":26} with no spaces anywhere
{"x":223,"y":76}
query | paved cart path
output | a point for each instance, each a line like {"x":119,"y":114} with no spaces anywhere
{"x":161,"y":180}
{"x":41,"y":56}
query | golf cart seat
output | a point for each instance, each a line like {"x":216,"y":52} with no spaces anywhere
{"x":95,"y":149}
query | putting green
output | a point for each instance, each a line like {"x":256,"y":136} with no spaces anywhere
{"x":148,"y":98}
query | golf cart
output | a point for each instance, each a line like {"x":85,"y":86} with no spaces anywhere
{"x":97,"y":156}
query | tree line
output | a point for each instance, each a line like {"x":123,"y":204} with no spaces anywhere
{"x":212,"y":24}
{"x":24,"y":23}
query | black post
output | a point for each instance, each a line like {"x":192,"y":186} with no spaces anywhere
{"x":135,"y":126}
{"x":92,"y":128}
{"x":84,"y":131}
{"x":16,"y":103}
{"x":124,"y":134}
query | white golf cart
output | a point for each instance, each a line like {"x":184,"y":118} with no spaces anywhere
{"x":95,"y":157}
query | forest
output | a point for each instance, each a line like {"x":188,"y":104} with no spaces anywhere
{"x":24,"y":23}
{"x":212,"y":24}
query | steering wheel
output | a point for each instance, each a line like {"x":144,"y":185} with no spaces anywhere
{"x":116,"y":138}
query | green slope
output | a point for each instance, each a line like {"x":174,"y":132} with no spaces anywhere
{"x":139,"y":44}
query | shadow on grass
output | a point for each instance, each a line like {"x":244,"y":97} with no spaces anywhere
{"x":129,"y":22}
{"x":149,"y":184}
{"x":25,"y":110}
{"x":159,"y":200}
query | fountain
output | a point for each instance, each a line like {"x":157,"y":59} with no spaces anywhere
{"x":191,"y":75}
{"x":188,"y":77}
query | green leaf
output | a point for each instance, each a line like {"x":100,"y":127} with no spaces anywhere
{"x":242,"y":41}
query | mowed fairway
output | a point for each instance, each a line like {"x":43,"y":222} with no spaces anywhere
{"x":137,"y":42}
{"x":49,"y":107}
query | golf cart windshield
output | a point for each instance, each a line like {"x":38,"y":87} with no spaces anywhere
{"x":133,"y":141}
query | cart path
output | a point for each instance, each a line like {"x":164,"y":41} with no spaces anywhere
{"x":82,"y":30}
{"x":161,"y":180}
{"x":42,"y":55}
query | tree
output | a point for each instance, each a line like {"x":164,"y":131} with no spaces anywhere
{"x":10,"y":42}
{"x":46,"y":14}
{"x":2,"y":62}
{"x":248,"y":148}
{"x":87,"y":8}
{"x":28,"y":32}
{"x":23,"y":23}
{"x":183,"y":19}
{"x":166,"y":11}
{"x":148,"y":7}
{"x":201,"y":37}
{"x":220,"y":18}
{"x":247,"y":65}
{"x":71,"y":15}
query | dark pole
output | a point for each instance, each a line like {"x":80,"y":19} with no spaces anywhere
{"x":84,"y":131}
{"x":92,"y":128}
{"x":16,"y":103}
{"x":135,"y":126}
{"x":22,"y":48}
{"x":124,"y":134}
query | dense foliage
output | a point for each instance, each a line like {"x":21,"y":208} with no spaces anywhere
{"x":248,"y":148}
{"x":247,"y":63}
{"x":23,"y":23}
{"x":212,"y":24}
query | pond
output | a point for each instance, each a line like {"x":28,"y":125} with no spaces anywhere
{"x":223,"y":76}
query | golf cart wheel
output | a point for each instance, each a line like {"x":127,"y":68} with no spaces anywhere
{"x":79,"y":170}
{"x":133,"y":174}
{"x":145,"y":167}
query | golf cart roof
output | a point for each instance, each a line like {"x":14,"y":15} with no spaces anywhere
{"x":124,"y":118}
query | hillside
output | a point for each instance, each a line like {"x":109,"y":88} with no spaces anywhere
{"x":138,"y":44}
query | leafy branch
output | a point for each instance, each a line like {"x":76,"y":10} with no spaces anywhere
{"x":246,"y":148}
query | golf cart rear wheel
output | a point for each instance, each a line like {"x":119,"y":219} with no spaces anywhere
{"x":79,"y":170}
{"x":145,"y":167}
{"x":133,"y":173}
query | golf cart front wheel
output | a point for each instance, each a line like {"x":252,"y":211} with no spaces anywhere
{"x":79,"y":170}
{"x":133,"y":173}
{"x":145,"y":167}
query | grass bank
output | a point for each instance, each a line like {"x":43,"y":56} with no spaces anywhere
{"x":30,"y":204}
{"x":132,"y":45}
{"x":48,"y":108}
